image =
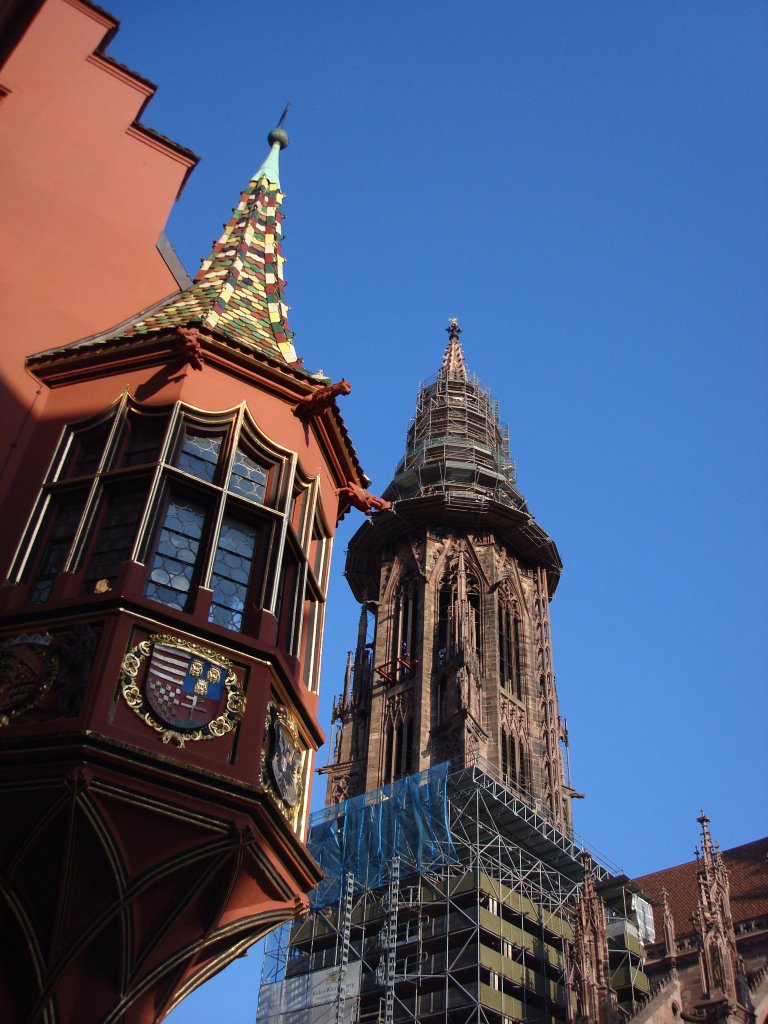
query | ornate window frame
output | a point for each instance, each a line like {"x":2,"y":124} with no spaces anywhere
{"x":131,"y":448}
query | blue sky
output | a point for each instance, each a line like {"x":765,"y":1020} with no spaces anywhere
{"x":584,"y":186}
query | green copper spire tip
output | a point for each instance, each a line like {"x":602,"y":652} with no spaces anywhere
{"x":279,"y":135}
{"x":278,"y":139}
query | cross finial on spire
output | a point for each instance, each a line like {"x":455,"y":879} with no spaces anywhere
{"x":706,"y":839}
{"x":453,"y":360}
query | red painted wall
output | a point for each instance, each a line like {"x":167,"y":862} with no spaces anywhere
{"x":85,"y":192}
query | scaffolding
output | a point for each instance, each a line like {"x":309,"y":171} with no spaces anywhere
{"x":472,"y":926}
{"x":455,"y":441}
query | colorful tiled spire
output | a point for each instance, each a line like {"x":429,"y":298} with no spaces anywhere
{"x":238,"y":291}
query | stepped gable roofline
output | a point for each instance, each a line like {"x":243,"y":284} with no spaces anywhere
{"x":18,"y":15}
{"x":747,"y":868}
{"x":237,"y":295}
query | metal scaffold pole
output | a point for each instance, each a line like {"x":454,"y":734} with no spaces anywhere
{"x":345,"y":931}
{"x":393,"y":900}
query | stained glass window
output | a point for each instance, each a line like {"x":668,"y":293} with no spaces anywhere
{"x":248,"y":478}
{"x":144,"y":437}
{"x":204,"y":528}
{"x":87,"y":449}
{"x":199,"y":456}
{"x":231,"y":572}
{"x":115,"y":540}
{"x":65,"y":516}
{"x":173,"y":565}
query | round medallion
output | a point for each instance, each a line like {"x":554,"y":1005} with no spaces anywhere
{"x":283,"y":759}
{"x":181,"y":689}
{"x":27,"y":670}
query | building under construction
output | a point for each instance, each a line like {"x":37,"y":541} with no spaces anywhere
{"x":455,"y":889}
{"x":447,"y":898}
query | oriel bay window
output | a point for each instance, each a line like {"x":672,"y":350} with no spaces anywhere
{"x":203,"y":501}
{"x":212,"y":527}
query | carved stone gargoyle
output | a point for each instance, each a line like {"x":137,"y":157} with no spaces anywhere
{"x":363,"y":500}
{"x":312,"y":405}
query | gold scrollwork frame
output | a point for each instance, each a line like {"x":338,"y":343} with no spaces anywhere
{"x":277,"y":714}
{"x":134,"y":698}
{"x":45,"y":679}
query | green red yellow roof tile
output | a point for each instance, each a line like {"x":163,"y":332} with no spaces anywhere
{"x":238,"y":291}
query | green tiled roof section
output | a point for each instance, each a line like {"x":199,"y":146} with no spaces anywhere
{"x":238,"y":291}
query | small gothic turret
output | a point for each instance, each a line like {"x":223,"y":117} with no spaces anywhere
{"x":722,"y":971}
{"x":596,"y":1000}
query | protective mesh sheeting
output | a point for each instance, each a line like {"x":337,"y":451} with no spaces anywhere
{"x":406,"y":819}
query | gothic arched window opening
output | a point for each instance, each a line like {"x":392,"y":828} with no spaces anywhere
{"x":510,"y":650}
{"x":514,"y":764}
{"x":398,"y":744}
{"x":458,"y":615}
{"x":405,"y":628}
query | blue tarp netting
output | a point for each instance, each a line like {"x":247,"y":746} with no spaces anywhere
{"x":407,"y":819}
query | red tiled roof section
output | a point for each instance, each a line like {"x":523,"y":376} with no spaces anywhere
{"x":747,"y":868}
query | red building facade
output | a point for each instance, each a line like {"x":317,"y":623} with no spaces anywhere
{"x":167,"y":536}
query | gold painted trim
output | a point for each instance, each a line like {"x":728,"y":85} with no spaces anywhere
{"x":43,"y":681}
{"x":219,"y":726}
{"x":278,"y":715}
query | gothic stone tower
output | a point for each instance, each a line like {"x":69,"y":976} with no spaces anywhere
{"x":455,"y":889}
{"x":458,"y":579}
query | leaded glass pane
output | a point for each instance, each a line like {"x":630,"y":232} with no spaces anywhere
{"x":115,"y":541}
{"x":199,"y":455}
{"x":87,"y":449}
{"x":145,"y":435}
{"x":231,"y":572}
{"x":248,"y":478}
{"x":173,"y":564}
{"x":66,"y":516}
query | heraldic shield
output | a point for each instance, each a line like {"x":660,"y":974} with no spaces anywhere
{"x":181,"y":689}
{"x":184,"y":690}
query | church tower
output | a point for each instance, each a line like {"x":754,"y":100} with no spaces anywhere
{"x":457,"y":580}
{"x":455,"y":890}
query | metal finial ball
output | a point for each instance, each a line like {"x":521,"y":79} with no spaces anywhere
{"x":279,"y":135}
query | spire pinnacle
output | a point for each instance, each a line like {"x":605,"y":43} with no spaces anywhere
{"x":453,"y":360}
{"x":706,"y":838}
{"x":238,"y":292}
{"x":278,"y":139}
